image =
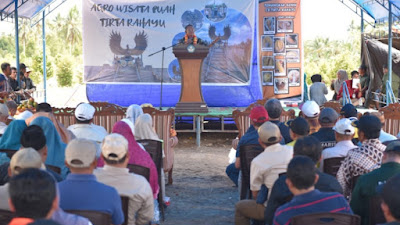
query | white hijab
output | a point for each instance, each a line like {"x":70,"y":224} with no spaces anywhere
{"x":144,"y":128}
{"x":132,"y":113}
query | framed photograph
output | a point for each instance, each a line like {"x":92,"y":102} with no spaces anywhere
{"x":292,"y":40}
{"x":268,"y":77}
{"x":269,"y":25}
{"x":284,"y":26}
{"x":279,"y":46}
{"x":268,"y":62}
{"x":293,"y":55}
{"x":280,"y":67}
{"x":294,"y":77}
{"x":281,"y":86}
{"x":267,"y":42}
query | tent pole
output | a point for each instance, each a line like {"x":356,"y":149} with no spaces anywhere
{"x":390,"y":48}
{"x":44,"y":54}
{"x":17,"y":46}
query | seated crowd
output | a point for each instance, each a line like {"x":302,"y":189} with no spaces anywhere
{"x":50,"y":172}
{"x":347,"y":165}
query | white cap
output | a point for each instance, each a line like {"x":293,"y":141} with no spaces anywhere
{"x":310,"y":109}
{"x":344,"y":126}
{"x":28,"y":70}
{"x":80,"y":153}
{"x":3,"y":110}
{"x":84,"y":111}
{"x":25,"y":158}
{"x":114,"y":147}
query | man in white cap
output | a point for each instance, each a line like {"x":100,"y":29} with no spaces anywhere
{"x":84,"y":128}
{"x":80,"y":190}
{"x":310,"y":110}
{"x":3,"y":118}
{"x":28,"y":81}
{"x":264,"y":170}
{"x":344,"y":133}
{"x":114,"y":151}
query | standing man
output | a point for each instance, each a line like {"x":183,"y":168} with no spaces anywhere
{"x":364,"y":79}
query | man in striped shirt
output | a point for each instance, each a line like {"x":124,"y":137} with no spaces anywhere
{"x":301,"y":178}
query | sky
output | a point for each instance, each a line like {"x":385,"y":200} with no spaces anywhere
{"x":324,"y":18}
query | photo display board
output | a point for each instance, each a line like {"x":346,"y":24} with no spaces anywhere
{"x":280,"y":49}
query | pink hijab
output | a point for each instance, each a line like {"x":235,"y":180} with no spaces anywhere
{"x":137,"y":155}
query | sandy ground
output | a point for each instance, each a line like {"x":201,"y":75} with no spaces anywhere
{"x":201,"y":192}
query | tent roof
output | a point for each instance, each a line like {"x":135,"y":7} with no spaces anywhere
{"x":26,"y":8}
{"x":378,"y":9}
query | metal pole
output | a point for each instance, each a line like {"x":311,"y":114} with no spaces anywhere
{"x":162,"y":76}
{"x":17,"y":45}
{"x":44,"y":54}
{"x":390,"y":47}
{"x":362,"y":31}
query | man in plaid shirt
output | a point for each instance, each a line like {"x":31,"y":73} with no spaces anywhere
{"x":363,"y":159}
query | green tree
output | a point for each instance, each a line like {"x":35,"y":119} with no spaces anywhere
{"x":64,"y":71}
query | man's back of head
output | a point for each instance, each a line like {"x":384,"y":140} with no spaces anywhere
{"x":391,"y":199}
{"x":33,"y":136}
{"x":269,"y":134}
{"x":308,"y":146}
{"x":80,"y":155}
{"x":344,"y":130}
{"x":114,"y":150}
{"x":302,"y":174}
{"x":44,"y":107}
{"x":392,"y":152}
{"x":33,"y":194}
{"x":23,"y":159}
{"x":369,"y":127}
{"x":274,"y":108}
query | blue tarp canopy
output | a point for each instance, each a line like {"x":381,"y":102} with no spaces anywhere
{"x":378,"y":9}
{"x":26,"y":8}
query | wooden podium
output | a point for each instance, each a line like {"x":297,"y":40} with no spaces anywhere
{"x":190,"y":61}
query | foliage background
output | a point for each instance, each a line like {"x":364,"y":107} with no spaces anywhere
{"x":63,"y":48}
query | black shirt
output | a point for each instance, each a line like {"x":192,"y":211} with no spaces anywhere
{"x":326,"y":135}
{"x":28,"y":83}
{"x":14,"y":84}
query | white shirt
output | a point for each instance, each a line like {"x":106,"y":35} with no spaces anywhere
{"x":339,"y":150}
{"x":3,"y":127}
{"x":266,"y":167}
{"x":89,"y":131}
{"x":136,"y":187}
{"x":4,"y":197}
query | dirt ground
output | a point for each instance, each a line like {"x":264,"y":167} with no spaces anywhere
{"x":201,"y":192}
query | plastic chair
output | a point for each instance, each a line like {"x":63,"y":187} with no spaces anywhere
{"x":326,"y":218}
{"x":247,"y":154}
{"x":332,"y":165}
{"x":125,"y":208}
{"x":96,"y":217}
{"x":154,"y":148}
{"x":140,"y":170}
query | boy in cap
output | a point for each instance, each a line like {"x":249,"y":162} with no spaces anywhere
{"x":84,"y":128}
{"x":391,"y":201}
{"x":344,"y":133}
{"x":327,"y":119}
{"x":363,"y":159}
{"x":264,"y":170}
{"x":258,"y":116}
{"x":80,"y":190}
{"x":301,"y":179}
{"x":367,"y":184}
{"x":298,"y":128}
{"x":383,"y":136}
{"x":310,"y":111}
{"x":114,"y":151}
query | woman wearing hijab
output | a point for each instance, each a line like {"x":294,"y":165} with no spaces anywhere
{"x":55,"y":146}
{"x":132,"y":113}
{"x":64,"y":133}
{"x":11,"y":137}
{"x":337,"y":84}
